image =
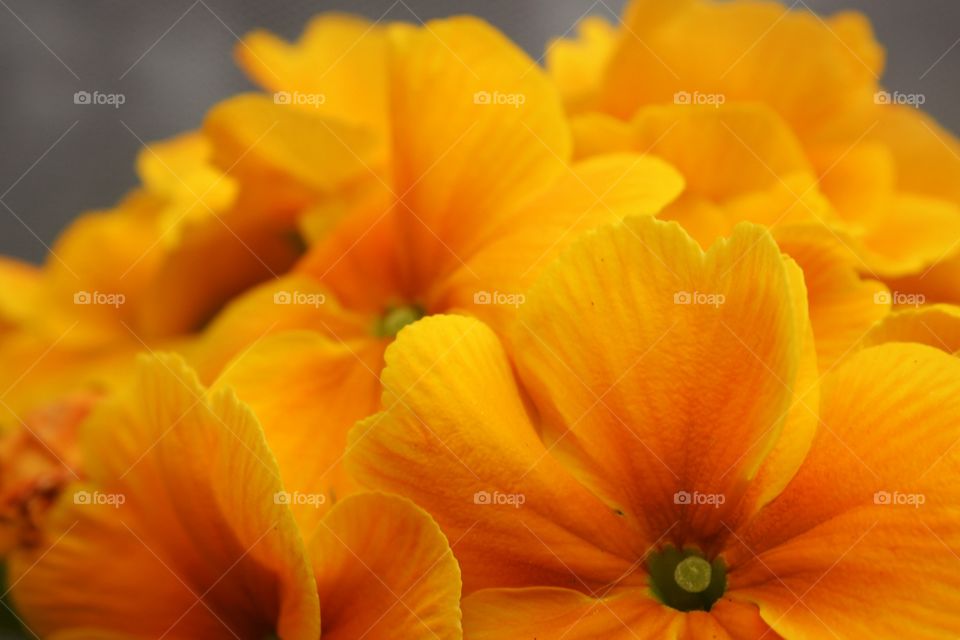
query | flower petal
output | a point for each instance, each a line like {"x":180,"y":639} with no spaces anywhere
{"x":193,"y":543}
{"x":404,"y":580}
{"x":937,"y":325}
{"x":290,"y":303}
{"x":307,"y":390}
{"x":843,"y":306}
{"x":632,"y":380}
{"x":286,"y":157}
{"x":622,"y":614}
{"x":724,"y":151}
{"x":871,"y":516}
{"x":596,"y":191}
{"x":477,"y":127}
{"x":577,"y":64}
{"x":910,"y":233}
{"x":514,"y":514}
{"x":927,"y":155}
{"x":325,"y":62}
{"x":747,"y":52}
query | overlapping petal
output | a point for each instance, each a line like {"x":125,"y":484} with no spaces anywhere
{"x":385,"y":570}
{"x":176,"y":530}
{"x":870,"y":518}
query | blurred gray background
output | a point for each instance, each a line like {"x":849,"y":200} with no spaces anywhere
{"x":173,"y":60}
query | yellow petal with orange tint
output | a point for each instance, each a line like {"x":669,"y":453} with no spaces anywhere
{"x":177,"y":530}
{"x":404,"y":580}
{"x":286,"y":304}
{"x":632,"y":381}
{"x":843,"y":305}
{"x":510,"y":509}
{"x":596,"y":191}
{"x":476,"y":127}
{"x":307,"y":391}
{"x":233,"y":252}
{"x":285,"y":157}
{"x":792,"y":199}
{"x":912,"y":232}
{"x":621,"y":614}
{"x":179,"y":171}
{"x":745,"y":51}
{"x":721,"y":151}
{"x":19,"y":287}
{"x":324,"y":66}
{"x":859,"y":180}
{"x":927,"y":155}
{"x":801,"y":419}
{"x":937,"y":326}
{"x":577,"y":64}
{"x":939,"y":282}
{"x":871,"y":516}
{"x":114,"y":253}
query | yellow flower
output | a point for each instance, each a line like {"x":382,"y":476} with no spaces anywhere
{"x":659,"y":459}
{"x":182,"y":529}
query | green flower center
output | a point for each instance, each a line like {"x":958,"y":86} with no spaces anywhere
{"x":693,"y":574}
{"x":685,"y":580}
{"x":397,"y":318}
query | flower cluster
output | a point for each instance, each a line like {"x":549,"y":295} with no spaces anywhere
{"x":427,"y":340}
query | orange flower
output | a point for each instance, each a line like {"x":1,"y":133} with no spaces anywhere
{"x":474,"y":196}
{"x":776,"y":116}
{"x":659,"y":459}
{"x":183,"y":530}
{"x":140,"y":274}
